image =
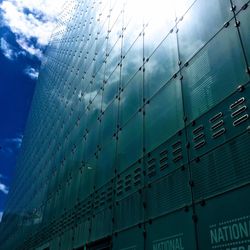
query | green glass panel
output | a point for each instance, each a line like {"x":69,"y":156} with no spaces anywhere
{"x":130,"y":142}
{"x":87,"y":175}
{"x":164,"y":115}
{"x":131,"y":98}
{"x":214,"y":230}
{"x":132,"y":56}
{"x":162,"y":65}
{"x":244,"y":18}
{"x":92,"y":140}
{"x":214,"y":73}
{"x":109,"y":122}
{"x":179,"y":234}
{"x":193,"y":33}
{"x":129,"y":239}
{"x":113,"y":54}
{"x":111,"y":87}
{"x":106,"y":162}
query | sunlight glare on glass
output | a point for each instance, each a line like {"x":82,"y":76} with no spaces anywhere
{"x":155,"y":9}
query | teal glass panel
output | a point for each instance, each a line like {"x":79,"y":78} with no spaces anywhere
{"x":109,"y":122}
{"x":181,"y":233}
{"x":81,"y":234}
{"x":111,"y":87}
{"x":162,"y":64}
{"x":244,"y":18}
{"x":130,"y":142}
{"x":113,"y":55}
{"x":67,"y":203}
{"x":92,"y":140}
{"x":129,"y":239}
{"x":94,"y":108}
{"x":106,"y":162}
{"x":105,"y":146}
{"x":131,"y":98}
{"x":168,"y":106}
{"x":194,"y":33}
{"x":98,"y":74}
{"x":58,"y":205}
{"x":54,"y":244}
{"x":66,"y":241}
{"x":214,"y":73}
{"x":80,"y":143}
{"x":87,"y":175}
{"x":74,"y":183}
{"x":132,"y":59}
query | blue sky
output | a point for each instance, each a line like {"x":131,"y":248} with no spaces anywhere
{"x":25,"y":28}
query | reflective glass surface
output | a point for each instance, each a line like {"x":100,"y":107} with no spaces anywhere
{"x":122,"y":87}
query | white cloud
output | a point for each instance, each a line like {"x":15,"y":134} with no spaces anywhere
{"x":24,"y":44}
{"x":4,"y":188}
{"x":10,"y":145}
{"x":31,"y":72}
{"x":7,"y":50}
{"x":1,"y":215}
{"x":31,"y":19}
{"x":17,"y":141}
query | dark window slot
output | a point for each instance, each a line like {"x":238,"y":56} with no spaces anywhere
{"x":198,"y":137}
{"x":151,"y":161}
{"x":217,"y":125}
{"x":198,"y":129}
{"x":237,"y":103}
{"x":177,"y":151}
{"x":128,"y":182}
{"x":239,"y":111}
{"x":128,"y":176}
{"x":199,"y":145}
{"x":163,"y":160}
{"x":151,"y":167}
{"x":137,"y":170}
{"x":177,"y":158}
{"x":151,"y":174}
{"x":216,"y":117}
{"x":137,"y":182}
{"x":119,"y":193}
{"x":240,"y":120}
{"x":138,"y":176}
{"x":163,"y":153}
{"x":176,"y":144}
{"x":164,"y":166}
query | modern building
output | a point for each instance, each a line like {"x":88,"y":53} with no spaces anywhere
{"x":139,"y":131}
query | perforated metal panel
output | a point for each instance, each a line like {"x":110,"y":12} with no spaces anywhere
{"x":219,"y":125}
{"x":222,"y":169}
{"x":168,"y":193}
{"x":129,"y":198}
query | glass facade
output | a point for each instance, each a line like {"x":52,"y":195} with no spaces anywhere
{"x":138,"y":135}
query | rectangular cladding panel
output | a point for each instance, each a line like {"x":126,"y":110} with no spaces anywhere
{"x":138,"y":134}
